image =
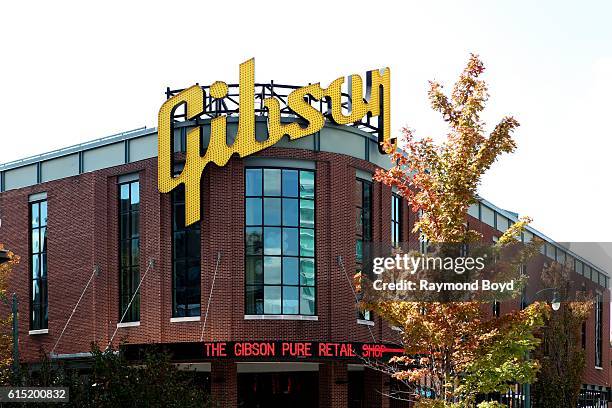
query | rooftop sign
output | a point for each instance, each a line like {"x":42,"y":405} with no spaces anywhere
{"x":375,"y":103}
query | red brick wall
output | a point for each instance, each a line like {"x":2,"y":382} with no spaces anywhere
{"x":82,"y":232}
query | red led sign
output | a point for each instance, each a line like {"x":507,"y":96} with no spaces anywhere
{"x":293,"y":349}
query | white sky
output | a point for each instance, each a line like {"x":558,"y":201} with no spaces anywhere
{"x":73,"y":72}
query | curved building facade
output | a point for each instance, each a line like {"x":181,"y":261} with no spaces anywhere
{"x":258,"y":296}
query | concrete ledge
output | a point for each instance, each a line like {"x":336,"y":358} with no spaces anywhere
{"x":129,"y":324}
{"x":185,"y":319}
{"x":281,"y":317}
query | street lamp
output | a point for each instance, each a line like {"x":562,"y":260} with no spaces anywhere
{"x":556,"y":298}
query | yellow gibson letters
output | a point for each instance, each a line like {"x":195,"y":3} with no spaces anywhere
{"x":375,"y":103}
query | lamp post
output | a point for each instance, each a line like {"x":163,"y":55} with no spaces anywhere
{"x":555,"y":304}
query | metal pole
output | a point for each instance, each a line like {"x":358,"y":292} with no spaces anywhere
{"x":14,"y":309}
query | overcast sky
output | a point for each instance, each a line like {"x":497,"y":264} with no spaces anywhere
{"x":73,"y":72}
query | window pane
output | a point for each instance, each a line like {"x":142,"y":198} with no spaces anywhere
{"x":124,"y":226}
{"x":253,"y":182}
{"x":253,"y":211}
{"x":43,"y":265}
{"x":254,"y":241}
{"x":34,"y":208}
{"x":135,"y":196}
{"x":125,"y":253}
{"x":272,"y":241}
{"x":135,"y":252}
{"x":43,"y":213}
{"x":307,"y":242}
{"x":180,"y":245}
{"x":307,"y":272}
{"x":272,"y":270}
{"x":124,"y":197}
{"x":35,"y":240}
{"x":272,"y":299}
{"x":290,"y":300}
{"x":290,"y":183}
{"x":35,"y":266}
{"x":272,"y":182}
{"x":359,"y":251}
{"x":135,"y":225}
{"x":307,"y":213}
{"x":290,"y":271}
{"x":290,"y":241}
{"x":290,"y":212}
{"x":272,"y":211}
{"x":307,"y":184}
{"x":254,"y":270}
{"x":193,"y":243}
{"x":254,"y":299}
{"x":179,"y":216}
{"x":307,"y":301}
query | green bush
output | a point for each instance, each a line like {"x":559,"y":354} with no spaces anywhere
{"x":110,"y":381}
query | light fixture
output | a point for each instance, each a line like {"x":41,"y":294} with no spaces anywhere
{"x":556,"y":301}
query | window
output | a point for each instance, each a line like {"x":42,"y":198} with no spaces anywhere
{"x":129,"y":251}
{"x":396,"y":219}
{"x":38,"y":254}
{"x":599,"y":331}
{"x":280,"y":242}
{"x":363,"y":228}
{"x":185,"y":260}
{"x":496,"y":308}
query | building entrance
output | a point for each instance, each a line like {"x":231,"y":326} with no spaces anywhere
{"x":278,"y":390}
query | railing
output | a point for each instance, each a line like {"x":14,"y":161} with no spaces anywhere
{"x":230,"y":104}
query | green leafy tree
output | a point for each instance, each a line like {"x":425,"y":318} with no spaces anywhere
{"x":112,"y":382}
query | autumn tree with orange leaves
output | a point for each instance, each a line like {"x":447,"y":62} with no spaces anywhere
{"x":456,"y":348}
{"x":6,"y":338}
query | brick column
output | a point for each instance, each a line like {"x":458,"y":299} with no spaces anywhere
{"x":333,"y":385}
{"x":224,"y":384}
{"x":375,"y":384}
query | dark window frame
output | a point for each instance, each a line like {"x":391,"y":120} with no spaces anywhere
{"x":599,"y":324}
{"x":397,"y":219}
{"x":186,"y":260}
{"x":281,"y":226}
{"x":366,"y":233}
{"x":127,"y":271}
{"x":40,"y":308}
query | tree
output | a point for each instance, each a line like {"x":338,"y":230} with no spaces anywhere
{"x":455,"y":347}
{"x":112,"y":381}
{"x":6,"y":337}
{"x":561,"y":355}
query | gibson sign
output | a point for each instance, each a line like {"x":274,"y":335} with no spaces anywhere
{"x":375,"y":103}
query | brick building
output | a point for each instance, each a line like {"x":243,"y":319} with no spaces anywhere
{"x":269,"y":262}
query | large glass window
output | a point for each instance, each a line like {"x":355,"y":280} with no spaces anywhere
{"x":129,"y":250}
{"x":396,"y":219}
{"x":599,"y":331}
{"x":280,"y":241}
{"x":185,"y":260}
{"x":363,"y":228}
{"x":38,"y":255}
